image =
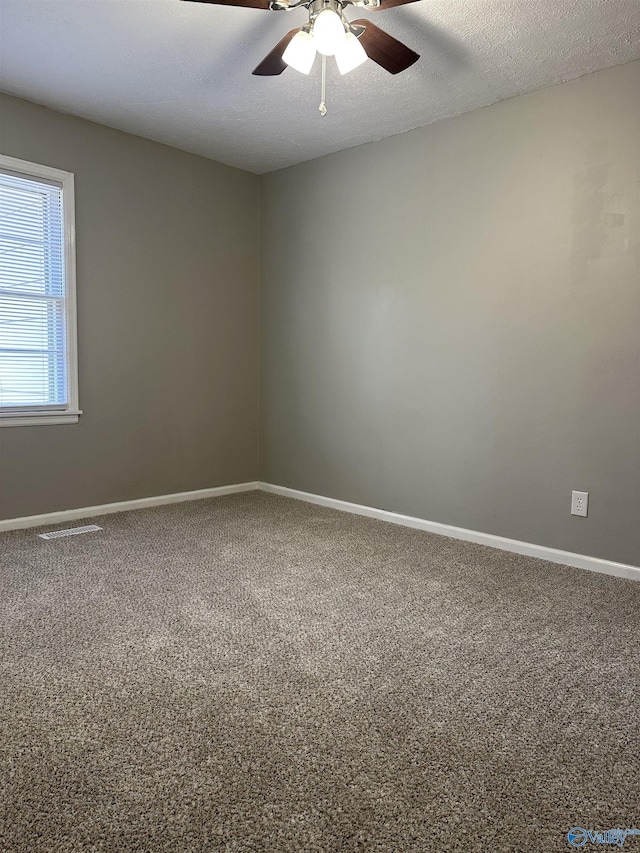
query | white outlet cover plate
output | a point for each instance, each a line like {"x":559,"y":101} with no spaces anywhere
{"x":579,"y":503}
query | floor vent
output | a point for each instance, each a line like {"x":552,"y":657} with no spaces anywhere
{"x":72,"y":531}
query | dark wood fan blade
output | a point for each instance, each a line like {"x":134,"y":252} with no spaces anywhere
{"x":249,"y":4}
{"x":389,"y":4}
{"x":273,"y":63}
{"x":388,"y":52}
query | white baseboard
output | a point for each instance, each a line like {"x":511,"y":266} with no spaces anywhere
{"x":552,"y":555}
{"x":122,"y":506}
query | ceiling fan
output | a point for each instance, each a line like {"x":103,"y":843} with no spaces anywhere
{"x":329,"y":33}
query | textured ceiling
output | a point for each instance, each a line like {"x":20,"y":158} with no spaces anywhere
{"x":180,"y":73}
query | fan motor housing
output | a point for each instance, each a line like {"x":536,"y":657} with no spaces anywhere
{"x":317,"y":6}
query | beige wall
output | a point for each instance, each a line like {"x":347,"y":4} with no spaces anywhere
{"x":450,"y":320}
{"x":168,"y":281}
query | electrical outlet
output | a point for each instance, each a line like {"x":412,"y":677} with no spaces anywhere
{"x":579,"y":503}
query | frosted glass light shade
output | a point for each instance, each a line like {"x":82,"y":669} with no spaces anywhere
{"x":350,"y":55}
{"x":328,"y":32}
{"x":300,"y":52}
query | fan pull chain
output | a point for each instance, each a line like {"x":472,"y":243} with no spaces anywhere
{"x":323,"y":106}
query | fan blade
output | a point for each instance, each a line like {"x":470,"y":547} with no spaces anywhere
{"x":388,"y":52}
{"x":389,"y":4}
{"x":273,"y":63}
{"x":249,"y":4}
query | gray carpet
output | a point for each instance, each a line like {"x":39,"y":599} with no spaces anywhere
{"x":252,"y":673}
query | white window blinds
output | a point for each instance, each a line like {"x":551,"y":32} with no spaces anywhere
{"x":33,"y":348}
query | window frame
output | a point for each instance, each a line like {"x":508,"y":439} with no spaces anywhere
{"x":69,"y":413}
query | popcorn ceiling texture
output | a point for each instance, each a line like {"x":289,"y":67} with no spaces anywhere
{"x":180,"y":73}
{"x":251,"y":673}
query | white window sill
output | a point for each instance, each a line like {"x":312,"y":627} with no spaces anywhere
{"x":39,"y":418}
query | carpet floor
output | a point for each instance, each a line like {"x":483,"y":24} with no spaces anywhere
{"x":252,"y":673}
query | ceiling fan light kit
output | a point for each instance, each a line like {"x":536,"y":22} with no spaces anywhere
{"x":350,"y":55}
{"x":301,"y":52}
{"x":328,"y":28}
{"x":329,"y":33}
{"x":327,"y":39}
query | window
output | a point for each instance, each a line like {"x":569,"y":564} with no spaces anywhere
{"x":38,"y":362}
